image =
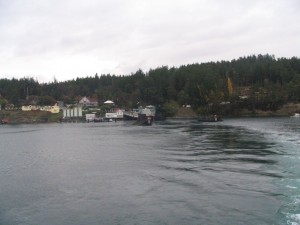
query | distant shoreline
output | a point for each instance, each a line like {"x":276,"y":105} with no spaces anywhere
{"x":40,"y":117}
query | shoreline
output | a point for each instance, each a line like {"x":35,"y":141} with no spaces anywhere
{"x":41,"y":117}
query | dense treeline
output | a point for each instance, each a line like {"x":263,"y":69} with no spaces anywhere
{"x":266,"y":82}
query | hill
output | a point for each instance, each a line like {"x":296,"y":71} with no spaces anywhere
{"x":249,"y":84}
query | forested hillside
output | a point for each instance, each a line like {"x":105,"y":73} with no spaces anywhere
{"x":253,"y":82}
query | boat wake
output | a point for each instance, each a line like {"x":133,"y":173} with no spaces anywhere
{"x":285,"y":134}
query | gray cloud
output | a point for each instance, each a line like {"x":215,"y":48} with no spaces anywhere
{"x":70,"y":38}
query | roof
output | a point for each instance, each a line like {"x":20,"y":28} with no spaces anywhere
{"x":108,"y":102}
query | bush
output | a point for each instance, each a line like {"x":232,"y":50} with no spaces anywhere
{"x":170,"y":108}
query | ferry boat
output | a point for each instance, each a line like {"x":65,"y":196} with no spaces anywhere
{"x":146,"y":116}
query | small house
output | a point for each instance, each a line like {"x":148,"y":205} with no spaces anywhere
{"x":88,"y":101}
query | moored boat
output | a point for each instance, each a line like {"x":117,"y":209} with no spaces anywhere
{"x":210,"y":118}
{"x":296,"y":115}
{"x":144,"y":120}
{"x":4,"y":121}
{"x":102,"y":119}
{"x":145,"y":116}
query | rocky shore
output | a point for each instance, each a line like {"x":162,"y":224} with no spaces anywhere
{"x":286,"y":110}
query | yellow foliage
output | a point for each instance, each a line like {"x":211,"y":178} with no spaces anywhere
{"x":230,"y":87}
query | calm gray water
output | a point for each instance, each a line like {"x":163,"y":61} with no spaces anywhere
{"x":239,"y":171}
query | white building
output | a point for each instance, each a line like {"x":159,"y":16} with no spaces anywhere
{"x":117,"y":114}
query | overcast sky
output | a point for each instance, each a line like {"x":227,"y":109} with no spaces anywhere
{"x":66,"y":39}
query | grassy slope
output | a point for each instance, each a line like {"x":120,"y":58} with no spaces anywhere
{"x":30,"y":117}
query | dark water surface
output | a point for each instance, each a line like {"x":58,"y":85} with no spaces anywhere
{"x":239,"y":171}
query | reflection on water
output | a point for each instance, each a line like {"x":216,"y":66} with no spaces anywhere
{"x":239,"y":171}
